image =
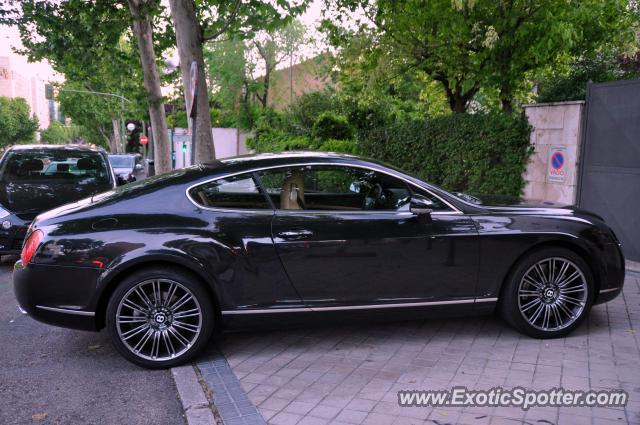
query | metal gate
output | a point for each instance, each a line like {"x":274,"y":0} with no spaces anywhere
{"x":609,"y":179}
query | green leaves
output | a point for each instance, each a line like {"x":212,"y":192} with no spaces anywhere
{"x":16,"y":124}
{"x":473,"y":45}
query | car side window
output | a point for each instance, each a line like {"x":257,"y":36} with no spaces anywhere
{"x":326,"y":187}
{"x":235,"y":192}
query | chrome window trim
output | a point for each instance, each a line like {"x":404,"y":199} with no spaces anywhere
{"x":357,"y":307}
{"x":453,"y":211}
{"x":67,"y":311}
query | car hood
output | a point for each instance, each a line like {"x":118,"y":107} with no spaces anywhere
{"x":34,"y":198}
{"x":540,"y":208}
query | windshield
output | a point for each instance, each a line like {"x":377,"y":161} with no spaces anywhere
{"x":55,"y":166}
{"x":121,"y":161}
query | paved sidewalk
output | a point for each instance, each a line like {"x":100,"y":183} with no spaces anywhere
{"x":351,"y":374}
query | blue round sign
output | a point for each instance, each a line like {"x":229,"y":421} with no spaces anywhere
{"x":557,"y":160}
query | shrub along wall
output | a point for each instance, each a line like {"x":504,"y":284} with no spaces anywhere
{"x":475,"y":153}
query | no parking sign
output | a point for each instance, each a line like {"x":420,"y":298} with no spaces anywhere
{"x":557,"y":164}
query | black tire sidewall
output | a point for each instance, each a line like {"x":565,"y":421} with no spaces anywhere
{"x":509,"y":298}
{"x":184,"y":278}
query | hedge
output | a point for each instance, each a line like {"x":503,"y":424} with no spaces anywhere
{"x":484,"y":154}
{"x":473,"y":153}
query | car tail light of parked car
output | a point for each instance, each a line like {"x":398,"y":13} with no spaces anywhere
{"x":30,"y":246}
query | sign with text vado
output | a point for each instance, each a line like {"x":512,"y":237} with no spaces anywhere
{"x":557,"y":169}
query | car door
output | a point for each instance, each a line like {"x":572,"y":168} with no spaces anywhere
{"x":247,"y":270}
{"x":346,"y":237}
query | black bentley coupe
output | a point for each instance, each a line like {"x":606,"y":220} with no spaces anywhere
{"x":305,"y":237}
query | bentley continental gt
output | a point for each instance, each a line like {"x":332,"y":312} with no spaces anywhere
{"x":301,"y":238}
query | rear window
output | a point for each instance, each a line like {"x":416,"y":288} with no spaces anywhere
{"x":121,"y":161}
{"x":63,"y":166}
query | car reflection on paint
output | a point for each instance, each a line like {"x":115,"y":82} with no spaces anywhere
{"x":298,"y":238}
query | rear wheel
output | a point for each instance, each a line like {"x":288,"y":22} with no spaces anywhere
{"x":159,"y":318}
{"x":548,"y":294}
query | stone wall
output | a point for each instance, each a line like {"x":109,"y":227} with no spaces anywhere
{"x":552,"y":171}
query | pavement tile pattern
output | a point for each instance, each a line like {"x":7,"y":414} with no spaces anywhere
{"x":351,"y":374}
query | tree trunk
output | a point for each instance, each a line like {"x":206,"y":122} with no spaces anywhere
{"x":507,"y":106}
{"x":114,"y":141}
{"x":144,"y":33}
{"x":189,"y":40}
{"x":264,"y":100}
{"x":458,"y":101}
{"x":506,"y":97}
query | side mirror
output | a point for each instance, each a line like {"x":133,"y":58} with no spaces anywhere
{"x":138,"y":167}
{"x":420,"y":205}
{"x":120,"y":181}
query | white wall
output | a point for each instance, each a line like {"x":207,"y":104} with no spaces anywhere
{"x":228,"y":142}
{"x":556,"y":127}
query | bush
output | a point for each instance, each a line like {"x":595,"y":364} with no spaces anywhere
{"x":16,"y":123}
{"x":330,"y":125}
{"x":480,"y":153}
{"x":59,"y":134}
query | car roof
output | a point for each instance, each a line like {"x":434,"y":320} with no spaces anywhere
{"x":55,"y":147}
{"x":282,"y":158}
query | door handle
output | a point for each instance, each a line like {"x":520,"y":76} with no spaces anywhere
{"x":295,"y":235}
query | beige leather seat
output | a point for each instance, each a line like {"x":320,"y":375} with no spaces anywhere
{"x":292,"y":195}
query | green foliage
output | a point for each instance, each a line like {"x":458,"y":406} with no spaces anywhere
{"x":16,"y":123}
{"x":59,"y":134}
{"x":484,"y":153}
{"x":92,"y":45}
{"x":330,"y":125}
{"x":468,"y":45}
{"x":479,"y":153}
{"x":571,"y":84}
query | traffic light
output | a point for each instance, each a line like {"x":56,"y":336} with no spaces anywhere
{"x":184,"y":147}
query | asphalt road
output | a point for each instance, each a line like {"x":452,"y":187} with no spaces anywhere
{"x":51,"y":375}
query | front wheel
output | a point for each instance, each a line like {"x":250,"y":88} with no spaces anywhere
{"x":548,"y":294}
{"x":159,"y":318}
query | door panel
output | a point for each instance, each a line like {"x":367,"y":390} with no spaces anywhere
{"x":377,"y":257}
{"x":247,"y":269}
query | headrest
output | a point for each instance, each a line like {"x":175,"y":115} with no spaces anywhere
{"x":86,"y":164}
{"x":33,"y":165}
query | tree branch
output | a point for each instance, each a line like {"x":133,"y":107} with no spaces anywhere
{"x":226,"y":25}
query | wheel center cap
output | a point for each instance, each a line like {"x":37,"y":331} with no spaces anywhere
{"x":160,"y":318}
{"x":549,"y":293}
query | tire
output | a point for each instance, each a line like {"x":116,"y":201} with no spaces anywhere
{"x":147,"y":332}
{"x":565,"y":295}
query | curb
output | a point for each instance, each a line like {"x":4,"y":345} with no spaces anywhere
{"x":196,"y":406}
{"x":632,"y":266}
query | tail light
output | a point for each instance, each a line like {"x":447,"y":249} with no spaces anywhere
{"x":30,"y":246}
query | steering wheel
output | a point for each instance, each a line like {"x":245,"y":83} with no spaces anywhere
{"x":374,"y":193}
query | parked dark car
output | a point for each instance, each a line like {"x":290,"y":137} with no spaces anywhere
{"x":304,"y":237}
{"x":37,"y":178}
{"x":126,"y":166}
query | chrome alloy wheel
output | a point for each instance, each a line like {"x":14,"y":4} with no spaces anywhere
{"x":158,"y":319}
{"x":552,"y":294}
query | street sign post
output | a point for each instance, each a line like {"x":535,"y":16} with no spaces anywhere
{"x":193,"y":107}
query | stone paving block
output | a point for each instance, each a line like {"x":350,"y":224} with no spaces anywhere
{"x":338,"y":374}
